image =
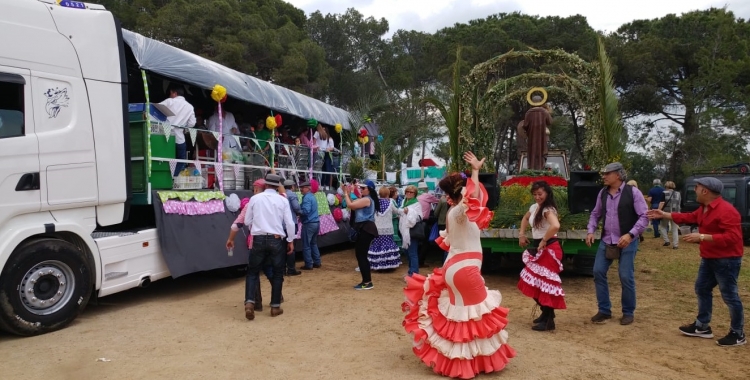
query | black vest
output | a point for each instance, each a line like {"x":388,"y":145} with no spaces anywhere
{"x":625,"y":209}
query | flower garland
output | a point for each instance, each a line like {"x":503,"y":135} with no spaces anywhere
{"x":526,"y":181}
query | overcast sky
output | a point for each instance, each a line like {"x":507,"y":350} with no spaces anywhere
{"x":431,"y":15}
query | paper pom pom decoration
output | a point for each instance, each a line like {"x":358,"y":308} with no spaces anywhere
{"x":338,"y":200}
{"x":363,"y":140}
{"x":343,"y":201}
{"x":380,"y":138}
{"x":312,"y":123}
{"x":338,"y":128}
{"x":362,"y":133}
{"x":270,"y":123}
{"x":331,"y":199}
{"x":338,"y":215}
{"x":314,"y":185}
{"x":219,"y":93}
{"x":278,"y":120}
{"x":345,"y":214}
{"x":244,"y":202}
{"x":233,"y":203}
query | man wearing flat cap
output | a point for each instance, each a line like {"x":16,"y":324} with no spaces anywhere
{"x":720,"y":238}
{"x":621,"y":209}
{"x":270,"y":217}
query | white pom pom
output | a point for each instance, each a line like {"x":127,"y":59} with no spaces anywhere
{"x":331,"y":199}
{"x":345,"y":214}
{"x":232,"y":202}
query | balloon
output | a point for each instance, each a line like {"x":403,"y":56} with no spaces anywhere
{"x":278,"y":119}
{"x":270,"y":123}
{"x":338,"y":128}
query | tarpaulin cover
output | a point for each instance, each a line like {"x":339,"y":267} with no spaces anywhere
{"x":197,"y":243}
{"x":172,"y":62}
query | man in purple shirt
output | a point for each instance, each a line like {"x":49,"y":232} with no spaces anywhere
{"x":622,"y":210}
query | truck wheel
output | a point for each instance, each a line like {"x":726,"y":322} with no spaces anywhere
{"x":43,"y":287}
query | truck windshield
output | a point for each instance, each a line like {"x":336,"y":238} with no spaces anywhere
{"x":729,"y":194}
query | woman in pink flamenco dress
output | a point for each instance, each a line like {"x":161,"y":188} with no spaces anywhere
{"x":458,"y":325}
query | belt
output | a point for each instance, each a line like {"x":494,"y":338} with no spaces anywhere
{"x":275,"y":236}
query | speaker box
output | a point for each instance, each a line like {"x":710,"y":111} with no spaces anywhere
{"x":583,"y":188}
{"x":489,"y":180}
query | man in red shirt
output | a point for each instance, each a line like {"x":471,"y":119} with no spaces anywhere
{"x":720,"y":238}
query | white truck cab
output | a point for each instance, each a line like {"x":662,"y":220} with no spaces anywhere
{"x":63,"y":155}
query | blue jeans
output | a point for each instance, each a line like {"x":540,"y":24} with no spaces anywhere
{"x":655,"y":223}
{"x":267,"y":250}
{"x":180,"y":154}
{"x":310,"y":251}
{"x":413,"y":252}
{"x":328,"y":168}
{"x":722,"y":272}
{"x":626,"y":270}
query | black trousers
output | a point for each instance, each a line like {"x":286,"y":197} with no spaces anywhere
{"x":361,"y":246}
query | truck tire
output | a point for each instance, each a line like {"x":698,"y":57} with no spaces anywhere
{"x":44,"y":286}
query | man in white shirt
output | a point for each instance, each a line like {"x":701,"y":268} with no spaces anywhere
{"x":184,"y":117}
{"x":268,"y":214}
{"x":229,"y":129}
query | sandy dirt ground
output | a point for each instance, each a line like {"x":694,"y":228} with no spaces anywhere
{"x":194,"y":328}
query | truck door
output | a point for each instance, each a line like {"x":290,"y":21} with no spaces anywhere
{"x":19,"y":148}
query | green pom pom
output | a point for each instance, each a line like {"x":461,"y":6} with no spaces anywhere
{"x":312,"y":123}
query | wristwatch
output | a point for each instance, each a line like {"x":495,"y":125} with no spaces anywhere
{"x":631,"y":235}
{"x":703,"y":237}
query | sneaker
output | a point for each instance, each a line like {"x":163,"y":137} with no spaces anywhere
{"x":363,"y":286}
{"x":666,"y":244}
{"x":600,"y":317}
{"x":356,"y":269}
{"x":732,"y":339}
{"x":693,"y":330}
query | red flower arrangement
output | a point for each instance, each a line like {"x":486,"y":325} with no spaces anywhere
{"x":526,"y":181}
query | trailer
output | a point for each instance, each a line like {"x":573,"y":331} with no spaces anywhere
{"x":501,"y":244}
{"x":80,"y":194}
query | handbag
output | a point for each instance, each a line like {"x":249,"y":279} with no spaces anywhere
{"x":417,"y":232}
{"x":612,"y":252}
{"x":434,"y":232}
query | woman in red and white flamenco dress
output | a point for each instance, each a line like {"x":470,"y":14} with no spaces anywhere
{"x":540,"y":279}
{"x":458,"y":325}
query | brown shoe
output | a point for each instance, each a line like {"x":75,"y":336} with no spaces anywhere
{"x":276,"y":311}
{"x":626,"y":320}
{"x":600,"y":318}
{"x":249,"y":311}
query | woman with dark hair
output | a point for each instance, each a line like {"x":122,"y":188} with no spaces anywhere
{"x":458,"y":325}
{"x":364,"y":224}
{"x":540,"y":279}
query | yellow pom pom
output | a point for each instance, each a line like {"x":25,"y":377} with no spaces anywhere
{"x":338,"y":128}
{"x":218,"y":93}
{"x":366,"y":139}
{"x":270,"y":123}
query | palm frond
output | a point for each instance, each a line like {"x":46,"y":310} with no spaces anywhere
{"x":451,"y":110}
{"x":610,"y":118}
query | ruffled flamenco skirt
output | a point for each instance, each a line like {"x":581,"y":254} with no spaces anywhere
{"x":384,"y":253}
{"x":540,"y":278}
{"x":458,"y":325}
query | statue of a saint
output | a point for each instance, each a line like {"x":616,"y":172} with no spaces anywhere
{"x":535,"y":123}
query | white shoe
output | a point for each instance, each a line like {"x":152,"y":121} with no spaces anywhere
{"x":356,"y":269}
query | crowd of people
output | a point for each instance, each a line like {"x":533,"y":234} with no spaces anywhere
{"x":254,"y":137}
{"x":458,"y":325}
